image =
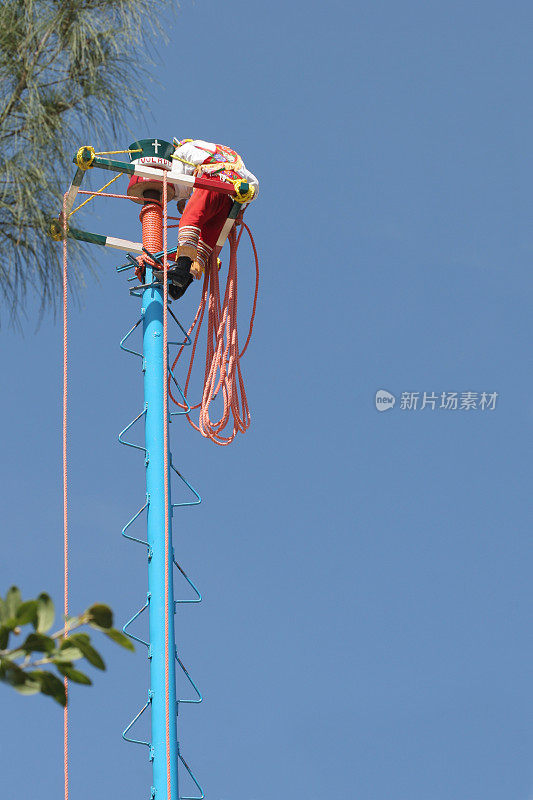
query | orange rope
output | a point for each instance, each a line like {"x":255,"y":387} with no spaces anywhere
{"x":65,"y":477}
{"x":256,"y":291}
{"x":165,"y":445}
{"x":222,"y":364}
{"x":151,"y":216}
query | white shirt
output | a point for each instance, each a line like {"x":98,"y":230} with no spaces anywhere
{"x":196,"y":153}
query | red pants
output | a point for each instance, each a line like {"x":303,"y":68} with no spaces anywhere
{"x":201,"y":224}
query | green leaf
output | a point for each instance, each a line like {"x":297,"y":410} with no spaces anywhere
{"x":28,"y":687}
{"x":100,"y":616}
{"x":27,"y":612}
{"x":13,"y":601}
{"x":16,"y":677}
{"x":82,"y":637}
{"x":3,"y":614}
{"x":14,"y":654}
{"x":38,"y":643}
{"x":66,"y":652}
{"x":11,"y":624}
{"x":82,"y":642}
{"x":120,"y":638}
{"x":4,"y":636}
{"x":74,"y":674}
{"x":11,"y":673}
{"x":45,"y":613}
{"x":50,"y":685}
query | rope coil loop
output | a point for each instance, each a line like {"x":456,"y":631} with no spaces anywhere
{"x":222,"y":376}
{"x":85,"y":157}
{"x":240,"y":196}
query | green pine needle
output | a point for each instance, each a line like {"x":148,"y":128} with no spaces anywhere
{"x":71,"y":73}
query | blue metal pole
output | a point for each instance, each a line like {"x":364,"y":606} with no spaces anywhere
{"x":152,"y":313}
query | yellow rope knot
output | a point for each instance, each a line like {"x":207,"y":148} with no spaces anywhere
{"x":243,"y":197}
{"x":85,"y":157}
{"x":56,"y":230}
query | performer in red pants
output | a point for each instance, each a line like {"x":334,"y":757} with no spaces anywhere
{"x":206,"y":212}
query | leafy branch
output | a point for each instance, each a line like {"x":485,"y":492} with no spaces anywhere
{"x":24,"y":667}
{"x":70,"y":73}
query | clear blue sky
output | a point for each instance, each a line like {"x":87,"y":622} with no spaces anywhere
{"x":366,"y":575}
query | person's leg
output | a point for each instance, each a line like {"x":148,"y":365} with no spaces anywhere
{"x":203,"y":218}
{"x":197,"y":210}
{"x":199,"y":228}
{"x":211,"y":228}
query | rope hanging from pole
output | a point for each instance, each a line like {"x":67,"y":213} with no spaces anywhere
{"x":165,"y":452}
{"x":222,"y":364}
{"x":65,"y":479}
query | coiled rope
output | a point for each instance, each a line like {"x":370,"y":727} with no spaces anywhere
{"x":222,"y":363}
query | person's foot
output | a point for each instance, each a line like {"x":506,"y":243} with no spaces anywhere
{"x":179,"y":286}
{"x":179,"y":276}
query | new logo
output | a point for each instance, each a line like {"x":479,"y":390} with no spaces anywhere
{"x":384,"y":400}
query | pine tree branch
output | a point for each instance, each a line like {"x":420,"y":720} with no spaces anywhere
{"x":68,"y":72}
{"x":23,"y":82}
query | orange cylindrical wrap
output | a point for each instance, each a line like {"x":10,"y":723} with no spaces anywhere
{"x":151,"y":218}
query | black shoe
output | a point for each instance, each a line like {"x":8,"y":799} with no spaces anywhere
{"x":180,"y":279}
{"x":176,"y":290}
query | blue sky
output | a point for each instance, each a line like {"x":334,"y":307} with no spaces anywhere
{"x":366,"y":575}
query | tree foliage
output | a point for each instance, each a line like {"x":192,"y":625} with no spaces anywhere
{"x":26,"y":667}
{"x":70,"y":73}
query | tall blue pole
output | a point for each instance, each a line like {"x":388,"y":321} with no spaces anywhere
{"x":152,"y":313}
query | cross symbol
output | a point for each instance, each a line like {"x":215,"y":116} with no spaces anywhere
{"x":156,"y":145}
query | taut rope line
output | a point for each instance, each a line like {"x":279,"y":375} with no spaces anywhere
{"x":65,"y":478}
{"x":165,"y":461}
